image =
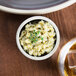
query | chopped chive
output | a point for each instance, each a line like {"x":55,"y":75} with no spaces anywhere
{"x":34,"y":31}
{"x":34,"y":41}
{"x":41,"y":38}
{"x":35,"y":34}
{"x":38,"y":32}
{"x":38,"y":36}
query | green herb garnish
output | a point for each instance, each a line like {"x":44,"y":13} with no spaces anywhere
{"x":38,"y":36}
{"x":34,"y":36}
{"x":41,"y":38}
{"x":38,"y":32}
{"x":33,"y":31}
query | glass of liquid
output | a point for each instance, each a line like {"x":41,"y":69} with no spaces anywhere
{"x":70,"y":62}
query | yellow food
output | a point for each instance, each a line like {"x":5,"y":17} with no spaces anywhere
{"x":38,"y":38}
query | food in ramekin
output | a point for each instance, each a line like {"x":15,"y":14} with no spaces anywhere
{"x":38,"y":38}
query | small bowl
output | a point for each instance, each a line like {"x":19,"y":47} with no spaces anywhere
{"x":32,"y":19}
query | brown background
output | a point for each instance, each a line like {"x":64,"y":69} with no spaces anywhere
{"x":13,"y":63}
